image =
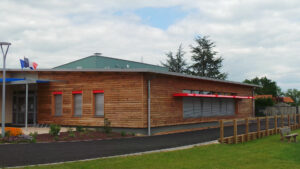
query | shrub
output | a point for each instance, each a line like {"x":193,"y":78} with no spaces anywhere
{"x":261,"y":104}
{"x":13,"y":131}
{"x":56,"y":138}
{"x":79,"y":128}
{"x":133,"y":134}
{"x":54,"y":130}
{"x":123,"y":133}
{"x":106,"y":127}
{"x":34,"y":136}
{"x":71,"y":132}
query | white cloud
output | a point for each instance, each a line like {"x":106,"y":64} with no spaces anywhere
{"x":254,"y":37}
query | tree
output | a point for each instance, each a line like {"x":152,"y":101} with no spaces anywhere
{"x":206,"y":63}
{"x":269,"y":87}
{"x":294,"y":94}
{"x":176,"y":63}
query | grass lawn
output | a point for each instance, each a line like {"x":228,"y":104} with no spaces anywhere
{"x":268,"y":152}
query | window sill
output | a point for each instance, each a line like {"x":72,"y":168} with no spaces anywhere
{"x":77,"y":115}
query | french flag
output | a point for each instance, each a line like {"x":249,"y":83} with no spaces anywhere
{"x":27,"y":64}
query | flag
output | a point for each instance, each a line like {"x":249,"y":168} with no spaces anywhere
{"x":22,"y":63}
{"x":33,"y":65}
{"x":26,"y":62}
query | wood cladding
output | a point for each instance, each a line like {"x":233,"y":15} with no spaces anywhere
{"x":122,"y":98}
{"x":125,"y":98}
{"x":167,"y":110}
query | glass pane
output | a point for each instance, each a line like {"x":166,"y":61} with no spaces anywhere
{"x":58,"y":104}
{"x":77,"y":104}
{"x":99,"y":104}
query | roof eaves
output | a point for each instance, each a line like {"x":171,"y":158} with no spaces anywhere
{"x":139,"y":70}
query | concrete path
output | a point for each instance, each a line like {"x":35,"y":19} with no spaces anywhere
{"x":41,"y":153}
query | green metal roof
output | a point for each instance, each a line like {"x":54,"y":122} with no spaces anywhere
{"x":102,"y":62}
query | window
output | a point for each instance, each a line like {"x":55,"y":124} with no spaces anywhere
{"x":77,"y":103}
{"x":194,"y":107}
{"x":57,"y":103}
{"x":98,"y":102}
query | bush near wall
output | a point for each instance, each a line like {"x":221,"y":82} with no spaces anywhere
{"x":261,"y":104}
{"x":13,"y":131}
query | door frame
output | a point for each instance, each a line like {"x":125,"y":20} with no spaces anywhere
{"x":18,"y":94}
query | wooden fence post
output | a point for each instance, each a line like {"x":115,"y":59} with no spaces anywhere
{"x":281,"y":120}
{"x":247,"y":129}
{"x":289,"y":120}
{"x":235,"y":131}
{"x":258,"y":127}
{"x":295,"y":121}
{"x":275,"y":124}
{"x":298,"y":120}
{"x":267,"y":125}
{"x":221,"y":131}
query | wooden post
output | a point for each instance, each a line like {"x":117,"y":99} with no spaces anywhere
{"x":275,"y":124}
{"x":267,"y":125}
{"x":289,"y":120}
{"x":234,"y":131}
{"x":295,"y":121}
{"x":298,"y":120}
{"x":281,"y":120}
{"x":258,"y":127}
{"x":247,"y":129}
{"x":221,"y":131}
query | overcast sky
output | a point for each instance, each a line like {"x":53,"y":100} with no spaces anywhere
{"x":255,"y":37}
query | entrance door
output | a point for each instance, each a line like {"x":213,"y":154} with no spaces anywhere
{"x":19,"y":108}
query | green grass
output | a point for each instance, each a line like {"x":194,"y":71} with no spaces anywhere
{"x":268,"y":152}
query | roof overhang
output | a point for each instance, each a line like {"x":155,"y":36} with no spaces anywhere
{"x":211,"y":96}
{"x":140,"y":71}
{"x":15,"y":81}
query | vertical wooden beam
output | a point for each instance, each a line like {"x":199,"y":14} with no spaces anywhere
{"x":221,"y":131}
{"x":295,"y":121}
{"x":281,"y":120}
{"x":247,"y":129}
{"x":235,"y":131}
{"x":298,"y":120}
{"x":289,"y":120}
{"x":258,"y":127}
{"x":275,"y":124}
{"x":267,"y":125}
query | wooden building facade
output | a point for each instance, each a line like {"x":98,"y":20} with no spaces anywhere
{"x":133,"y":99}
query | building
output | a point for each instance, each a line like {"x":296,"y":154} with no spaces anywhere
{"x":137,"y":100}
{"x":277,"y":99}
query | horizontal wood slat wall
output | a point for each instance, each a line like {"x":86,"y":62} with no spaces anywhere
{"x":125,"y":98}
{"x":122,"y":98}
{"x":167,"y":110}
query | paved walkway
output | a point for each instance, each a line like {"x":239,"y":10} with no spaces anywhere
{"x":41,"y":153}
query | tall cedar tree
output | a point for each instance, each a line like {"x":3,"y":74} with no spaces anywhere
{"x":176,"y":63}
{"x":269,"y":87}
{"x":206,"y":63}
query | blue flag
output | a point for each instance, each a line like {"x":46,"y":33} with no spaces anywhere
{"x":22,"y":63}
{"x":26,"y":62}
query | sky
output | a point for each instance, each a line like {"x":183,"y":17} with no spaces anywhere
{"x":255,"y":38}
